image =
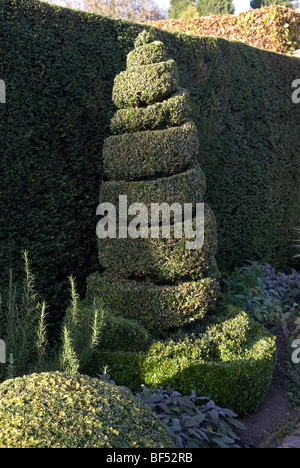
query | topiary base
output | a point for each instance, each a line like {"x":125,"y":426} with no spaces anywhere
{"x":156,"y":307}
{"x":231,"y":362}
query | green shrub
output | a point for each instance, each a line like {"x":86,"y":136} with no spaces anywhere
{"x":164,"y":259}
{"x":23,"y":325}
{"x":156,"y":307}
{"x":186,"y":187}
{"x":68,"y":359}
{"x":192,"y":422}
{"x":88,"y":328}
{"x":241,"y":280}
{"x":231,"y":352}
{"x":55,"y":410}
{"x":189,"y":279}
{"x":150,"y":154}
{"x":127,"y":366}
{"x":292,"y":382}
{"x":231,"y":361}
{"x":145,"y":85}
{"x":112,"y":333}
{"x":146,"y":54}
{"x":270,"y":297}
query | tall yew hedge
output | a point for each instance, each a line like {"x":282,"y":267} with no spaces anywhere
{"x":59,"y":66}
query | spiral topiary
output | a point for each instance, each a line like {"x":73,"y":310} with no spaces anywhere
{"x":195,"y":341}
{"x":152,"y":158}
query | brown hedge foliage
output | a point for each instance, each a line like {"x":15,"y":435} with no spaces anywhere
{"x":274,"y":28}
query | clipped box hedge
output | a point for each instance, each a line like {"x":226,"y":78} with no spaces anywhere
{"x":231,"y":362}
{"x":145,"y":85}
{"x":165,"y":259}
{"x":186,"y":187}
{"x":150,"y":154}
{"x":112,"y":331}
{"x":147,"y":54}
{"x":156,"y":307}
{"x":168,"y":113}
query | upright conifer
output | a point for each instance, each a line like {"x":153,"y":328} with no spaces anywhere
{"x":152,"y":158}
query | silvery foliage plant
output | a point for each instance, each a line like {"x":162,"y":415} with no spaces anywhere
{"x":192,"y":421}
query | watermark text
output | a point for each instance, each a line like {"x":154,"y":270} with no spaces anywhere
{"x":296,"y":353}
{"x":2,"y":352}
{"x":157,"y":221}
{"x":296,"y":93}
{"x":2,"y":92}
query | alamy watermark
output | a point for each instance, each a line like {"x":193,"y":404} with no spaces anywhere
{"x":2,"y":92}
{"x":139,"y":221}
{"x":296,"y":93}
{"x":296,"y":353}
{"x":2,"y":352}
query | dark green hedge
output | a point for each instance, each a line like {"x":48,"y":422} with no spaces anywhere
{"x":59,"y":66}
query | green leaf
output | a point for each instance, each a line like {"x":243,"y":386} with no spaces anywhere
{"x":164,"y":407}
{"x":220,"y":442}
{"x":195,"y":420}
{"x":214,"y":417}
